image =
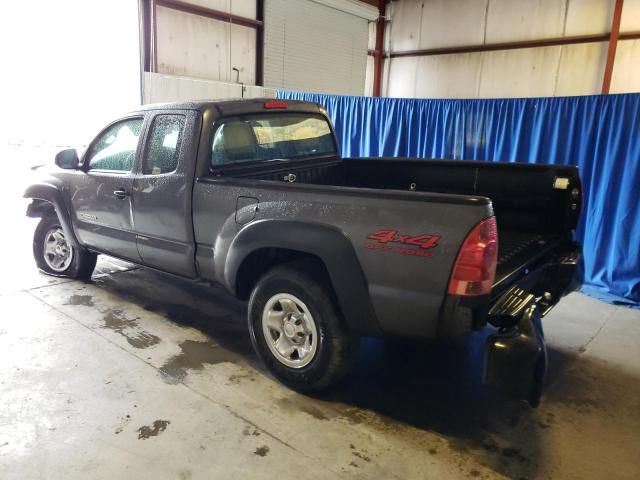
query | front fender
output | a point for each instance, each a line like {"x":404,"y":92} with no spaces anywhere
{"x":327,"y":243}
{"x":52,"y":194}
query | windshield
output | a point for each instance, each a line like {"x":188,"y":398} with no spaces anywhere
{"x":280,"y":136}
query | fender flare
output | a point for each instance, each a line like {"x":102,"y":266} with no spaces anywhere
{"x":327,"y":243}
{"x":52,"y":194}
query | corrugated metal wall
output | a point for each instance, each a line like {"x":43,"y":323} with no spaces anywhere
{"x":546,"y":71}
{"x":309,"y":46}
{"x":195,"y":46}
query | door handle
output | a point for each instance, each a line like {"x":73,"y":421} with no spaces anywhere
{"x":121,"y":193}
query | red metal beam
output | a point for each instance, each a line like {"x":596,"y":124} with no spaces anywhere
{"x":549,"y":42}
{"x":209,"y":13}
{"x":492,"y":47}
{"x":377,"y":56}
{"x":145,"y":33}
{"x":260,"y":43}
{"x":154,"y":37}
{"x":613,"y":44}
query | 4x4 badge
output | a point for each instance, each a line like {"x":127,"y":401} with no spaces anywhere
{"x":392,"y":236}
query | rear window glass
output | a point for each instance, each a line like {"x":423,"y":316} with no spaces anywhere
{"x":271,"y":137}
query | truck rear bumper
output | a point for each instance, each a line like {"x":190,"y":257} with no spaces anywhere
{"x":516,"y":356}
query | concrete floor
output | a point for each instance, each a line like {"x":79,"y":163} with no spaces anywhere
{"x":140,"y":375}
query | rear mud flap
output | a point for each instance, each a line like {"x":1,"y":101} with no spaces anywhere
{"x":516,"y":357}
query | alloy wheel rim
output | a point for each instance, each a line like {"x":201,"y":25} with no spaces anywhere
{"x":57,"y":252}
{"x":290,"y":330}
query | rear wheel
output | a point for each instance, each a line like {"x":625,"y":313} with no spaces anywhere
{"x":297,"y":330}
{"x":55,"y":255}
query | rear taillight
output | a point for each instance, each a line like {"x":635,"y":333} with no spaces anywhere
{"x":475,"y":267}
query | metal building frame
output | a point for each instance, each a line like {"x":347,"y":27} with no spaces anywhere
{"x":612,"y":38}
{"x":148,"y":29}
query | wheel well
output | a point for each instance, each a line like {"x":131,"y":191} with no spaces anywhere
{"x":40,"y":208}
{"x":259,"y":262}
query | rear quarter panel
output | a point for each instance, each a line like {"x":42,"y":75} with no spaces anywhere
{"x":406,"y":290}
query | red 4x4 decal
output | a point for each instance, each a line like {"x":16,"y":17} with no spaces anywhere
{"x":385,"y":237}
{"x":392,"y":236}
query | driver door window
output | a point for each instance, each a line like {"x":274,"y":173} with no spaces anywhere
{"x":115,"y":149}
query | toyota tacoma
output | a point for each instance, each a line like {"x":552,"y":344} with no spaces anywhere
{"x":253,"y":194}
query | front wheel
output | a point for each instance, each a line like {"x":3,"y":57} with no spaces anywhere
{"x":54,"y":254}
{"x":297,"y":330}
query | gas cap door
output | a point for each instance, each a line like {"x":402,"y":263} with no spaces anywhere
{"x":246,"y":209}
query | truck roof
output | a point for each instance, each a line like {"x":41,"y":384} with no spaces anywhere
{"x":234,"y":105}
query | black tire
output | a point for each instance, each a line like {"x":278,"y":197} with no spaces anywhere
{"x":336,"y":345}
{"x":82,"y":262}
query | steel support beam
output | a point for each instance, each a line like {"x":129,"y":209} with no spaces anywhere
{"x":209,"y":13}
{"x":260,"y":43}
{"x":613,"y":45}
{"x":379,"y":47}
{"x":547,"y":42}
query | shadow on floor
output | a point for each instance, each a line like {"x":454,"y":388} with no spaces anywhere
{"x":410,"y":385}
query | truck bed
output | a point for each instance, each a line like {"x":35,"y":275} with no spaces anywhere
{"x":517,"y":250}
{"x":533,"y":204}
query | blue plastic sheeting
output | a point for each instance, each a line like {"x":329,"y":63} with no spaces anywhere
{"x":599,"y":134}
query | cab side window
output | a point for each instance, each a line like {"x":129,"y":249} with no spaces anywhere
{"x":163,"y":149}
{"x":115,"y":149}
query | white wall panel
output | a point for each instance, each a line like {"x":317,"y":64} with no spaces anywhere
{"x":528,"y":72}
{"x":243,"y":53}
{"x":630,"y":21}
{"x":448,"y":76}
{"x":196,"y":46}
{"x":588,"y":17}
{"x":405,"y":24}
{"x":626,"y":70}
{"x":309,"y":46}
{"x":372,"y":36}
{"x":562,"y":70}
{"x":368,"y":79}
{"x":452,"y":23}
{"x":581,"y":69}
{"x":514,"y":20}
{"x":169,"y":88}
{"x":402,"y":77}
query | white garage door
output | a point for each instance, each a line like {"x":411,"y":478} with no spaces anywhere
{"x":316,"y":45}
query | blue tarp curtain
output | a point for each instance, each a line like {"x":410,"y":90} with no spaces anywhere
{"x":599,"y":134}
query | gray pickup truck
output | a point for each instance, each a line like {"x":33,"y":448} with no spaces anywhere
{"x":253,"y":195}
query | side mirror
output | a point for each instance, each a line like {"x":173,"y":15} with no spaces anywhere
{"x":68,"y":159}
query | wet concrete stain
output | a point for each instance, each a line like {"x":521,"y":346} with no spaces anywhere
{"x":408,"y":389}
{"x":250,"y":431}
{"x":86,"y":300}
{"x":156,"y":429}
{"x":136,"y":337}
{"x":124,"y":421}
{"x":405,"y":388}
{"x":579,"y":391}
{"x":361,"y":456}
{"x":195,"y":355}
{"x":304,"y":405}
{"x":261,"y":451}
{"x":330,"y":411}
{"x":236,"y":379}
